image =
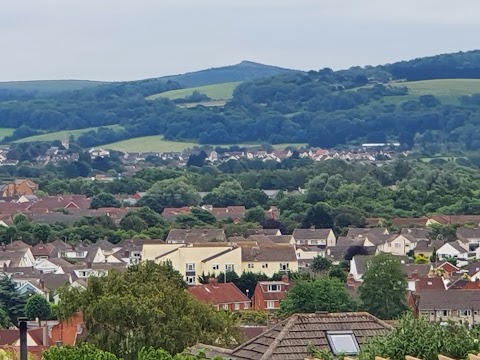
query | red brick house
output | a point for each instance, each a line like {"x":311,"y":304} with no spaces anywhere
{"x":268,"y":294}
{"x":224,"y":296}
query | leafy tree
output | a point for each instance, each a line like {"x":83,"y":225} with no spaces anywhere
{"x":37,"y":307}
{"x":80,"y":352}
{"x":170,"y":193}
{"x":338,"y":273}
{"x":104,"y":200}
{"x":13,"y":302}
{"x":41,"y":232}
{"x":256,"y":214}
{"x":384,"y":288}
{"x":248,"y":281}
{"x":323,"y":294}
{"x":4,"y":319}
{"x":451,"y":260}
{"x":442,"y":232}
{"x":156,"y":311}
{"x":133,"y":222}
{"x":320,"y":264}
{"x":355,"y":250}
{"x":422,"y":339}
{"x":319,"y":216}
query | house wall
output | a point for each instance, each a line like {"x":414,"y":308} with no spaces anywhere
{"x":268,"y":267}
{"x":447,"y":250}
{"x":233,"y":257}
{"x":309,"y":255}
{"x":473,"y":317}
{"x":398,"y":246}
{"x":152,"y":251}
{"x":331,"y":239}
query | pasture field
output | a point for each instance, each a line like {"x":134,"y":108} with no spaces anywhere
{"x":5,"y":132}
{"x":59,"y":135}
{"x":215,"y":92}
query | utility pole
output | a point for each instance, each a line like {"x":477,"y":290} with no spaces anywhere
{"x":22,"y":322}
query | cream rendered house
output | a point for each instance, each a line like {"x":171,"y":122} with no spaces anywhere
{"x":269,"y":259}
{"x":397,"y":245}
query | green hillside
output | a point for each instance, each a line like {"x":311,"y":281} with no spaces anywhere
{"x":5,"y":132}
{"x":49,"y":85}
{"x":448,"y":90}
{"x":59,"y":135}
{"x":215,"y":92}
{"x":157,"y":144}
{"x":246,"y":70}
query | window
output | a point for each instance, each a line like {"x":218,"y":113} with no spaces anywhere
{"x":225,"y":306}
{"x":283,"y":266}
{"x":464,"y":312}
{"x":63,"y":254}
{"x":264,"y":266}
{"x":273,"y":288}
{"x":190,"y":267}
{"x":229,"y":267}
{"x":397,"y":245}
{"x":270,"y":304}
{"x":215,"y":267}
{"x":313,"y":242}
{"x":246,"y":306}
{"x":251,"y":266}
{"x":237,"y":306}
{"x":298,"y":255}
{"x":190,"y":280}
{"x":342,"y":342}
{"x":441,"y":313}
{"x":79,"y":254}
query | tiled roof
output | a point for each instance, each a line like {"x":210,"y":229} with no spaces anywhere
{"x":215,"y":293}
{"x":280,"y":239}
{"x":290,"y":339}
{"x":473,"y":268}
{"x":274,"y":295}
{"x":467,"y":233}
{"x":406,"y":222}
{"x":354,"y":232}
{"x":196,"y":235}
{"x":42,"y":249}
{"x":421,"y":270}
{"x":449,"y":300}
{"x":429,"y":283}
{"x":311,"y":234}
{"x":269,"y":253}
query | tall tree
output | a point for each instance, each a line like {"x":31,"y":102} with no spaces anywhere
{"x":104,"y":200}
{"x":384,"y":289}
{"x":37,"y":307}
{"x":320,"y":264}
{"x":13,"y":302}
{"x":170,"y":193}
{"x":145,"y":306}
{"x":323,"y":294}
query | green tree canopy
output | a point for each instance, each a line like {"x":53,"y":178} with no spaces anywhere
{"x":255,"y":214}
{"x":37,"y":307}
{"x":323,"y":294}
{"x":13,"y":302}
{"x":422,"y":339}
{"x":145,"y":306}
{"x":320,"y":264}
{"x":384,"y":289}
{"x":104,"y":200}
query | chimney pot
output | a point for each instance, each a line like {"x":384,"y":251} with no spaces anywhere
{"x":213,"y":281}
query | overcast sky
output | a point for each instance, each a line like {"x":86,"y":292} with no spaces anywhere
{"x":135,"y":39}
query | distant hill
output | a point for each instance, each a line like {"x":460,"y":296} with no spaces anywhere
{"x":246,"y":70}
{"x":49,"y":85}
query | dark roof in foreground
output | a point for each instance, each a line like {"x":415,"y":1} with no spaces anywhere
{"x":290,"y":339}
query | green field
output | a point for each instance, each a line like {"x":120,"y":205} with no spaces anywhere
{"x":215,"y":92}
{"x":60,"y":135}
{"x":157,"y":144}
{"x":447,"y":90}
{"x":5,"y":132}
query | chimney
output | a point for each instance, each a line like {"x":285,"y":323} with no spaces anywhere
{"x":89,"y":264}
{"x":41,"y":284}
{"x":285,"y":278}
{"x":312,"y":227}
{"x":45,"y":335}
{"x":350,"y":280}
{"x":126,"y":254}
{"x":415,"y":275}
{"x":213,"y":281}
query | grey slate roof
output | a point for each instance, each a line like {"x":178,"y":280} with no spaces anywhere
{"x":195,"y":235}
{"x":290,"y":339}
{"x":269,"y":253}
{"x":311,"y":234}
{"x":449,"y":300}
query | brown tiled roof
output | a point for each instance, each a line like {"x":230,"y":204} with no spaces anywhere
{"x":230,"y":212}
{"x":406,"y":222}
{"x":195,"y":235}
{"x":467,"y":233}
{"x":8,"y":337}
{"x":421,"y":270}
{"x":456,"y":219}
{"x":42,"y":249}
{"x":311,"y":234}
{"x":429,"y":283}
{"x":449,"y":300}
{"x":290,"y":339}
{"x":416,"y":233}
{"x":273,"y":295}
{"x":354,"y":232}
{"x":473,"y":268}
{"x":216,"y":293}
{"x":269,"y":253}
{"x":268,"y":232}
{"x":280,"y":239}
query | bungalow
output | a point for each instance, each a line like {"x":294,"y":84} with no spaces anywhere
{"x":312,"y":236}
{"x":455,"y":249}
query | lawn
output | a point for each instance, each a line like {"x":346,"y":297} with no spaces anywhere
{"x":59,"y":135}
{"x":157,"y":144}
{"x":5,"y":132}
{"x":215,"y":92}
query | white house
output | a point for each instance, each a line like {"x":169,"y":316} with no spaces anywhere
{"x":457,"y":250}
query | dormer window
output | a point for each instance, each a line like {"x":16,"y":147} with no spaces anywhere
{"x":273,"y":288}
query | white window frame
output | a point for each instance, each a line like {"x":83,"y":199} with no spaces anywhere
{"x":331,"y":342}
{"x":229,"y":267}
{"x":225,"y":306}
{"x":251,"y":265}
{"x":284,"y":266}
{"x":443,"y":313}
{"x":215,"y":267}
{"x":277,"y":288}
{"x":190,"y":267}
{"x":265,"y":266}
{"x":246,"y":306}
{"x":464,"y":313}
{"x":270,"y":305}
{"x":190,"y":280}
{"x":236,"y":306}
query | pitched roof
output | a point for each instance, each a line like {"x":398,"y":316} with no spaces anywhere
{"x":8,"y":337}
{"x":473,"y":268}
{"x":269,"y":253}
{"x":455,"y":246}
{"x":421,"y":270}
{"x":354,"y":232}
{"x":216,"y":293}
{"x":449,"y":300}
{"x":311,"y":234}
{"x":361,"y":262}
{"x":468,"y":233}
{"x":416,"y":233}
{"x":195,"y":235}
{"x":42,"y":249}
{"x":429,"y":283}
{"x":456,"y":219}
{"x":291,"y":338}
{"x":406,"y":222}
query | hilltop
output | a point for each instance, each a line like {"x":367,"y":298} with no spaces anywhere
{"x":430,"y":104}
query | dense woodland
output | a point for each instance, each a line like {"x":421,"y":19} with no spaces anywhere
{"x":322,"y":108}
